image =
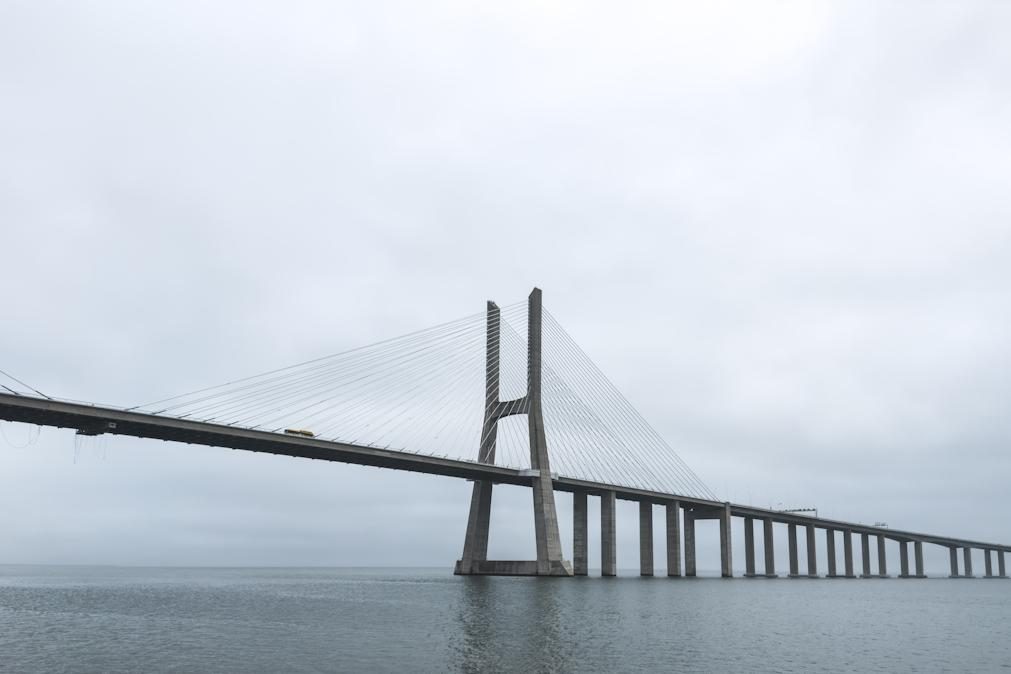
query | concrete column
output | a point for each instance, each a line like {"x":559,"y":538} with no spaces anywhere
{"x":749,"y":547}
{"x":847,"y":541}
{"x":770,"y":549}
{"x":918,"y":556}
{"x":812,"y":553}
{"x":579,"y":534}
{"x":1000,"y":564}
{"x":475,"y":543}
{"x":988,"y":564}
{"x":726,"y":553}
{"x":830,"y":551}
{"x":608,"y":536}
{"x":882,"y":559}
{"x":549,"y":542}
{"x":791,"y":530}
{"x":903,"y":559}
{"x":645,"y":538}
{"x":865,"y":549}
{"x":689,"y":545}
{"x":953,"y":552}
{"x":674,"y":539}
{"x":967,"y":558}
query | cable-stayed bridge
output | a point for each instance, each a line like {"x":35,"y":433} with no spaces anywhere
{"x":501,"y":397}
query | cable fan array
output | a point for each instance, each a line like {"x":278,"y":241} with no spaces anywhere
{"x":425,"y":393}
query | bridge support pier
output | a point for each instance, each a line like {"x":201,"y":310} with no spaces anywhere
{"x":770,"y":549}
{"x":674,"y":539}
{"x":726,"y":554}
{"x":830,"y":551}
{"x":953,"y":559}
{"x":904,"y":559}
{"x":645,"y":538}
{"x":865,"y":550}
{"x":848,"y":553}
{"x":987,"y":564}
{"x":749,"y":547}
{"x":918,"y":557}
{"x":608,"y":535}
{"x":689,"y":543}
{"x":791,"y":530}
{"x":812,"y":553}
{"x":882,"y":558}
{"x":967,"y":559}
{"x":580,"y":565}
{"x":1000,"y":564}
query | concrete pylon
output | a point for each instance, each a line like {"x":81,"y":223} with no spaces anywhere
{"x":674,"y":539}
{"x":830,"y":553}
{"x":882,"y":558}
{"x":726,"y":548}
{"x":791,"y":530}
{"x":549,"y":560}
{"x":749,"y":547}
{"x":812,"y":553}
{"x":865,"y":552}
{"x":608,"y":535}
{"x":848,"y":553}
{"x":580,"y":549}
{"x":770,"y":555}
{"x":645,"y":538}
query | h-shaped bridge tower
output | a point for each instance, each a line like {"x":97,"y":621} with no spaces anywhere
{"x":549,"y":560}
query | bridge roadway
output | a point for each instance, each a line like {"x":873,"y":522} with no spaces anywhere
{"x":93,"y":419}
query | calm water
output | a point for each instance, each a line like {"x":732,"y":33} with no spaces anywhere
{"x":74,"y":619}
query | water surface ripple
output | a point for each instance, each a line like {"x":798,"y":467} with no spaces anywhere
{"x":106,"y":619}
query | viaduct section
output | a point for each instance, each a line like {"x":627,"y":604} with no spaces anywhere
{"x":682,"y":512}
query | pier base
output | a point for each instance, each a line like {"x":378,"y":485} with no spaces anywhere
{"x":498,"y":567}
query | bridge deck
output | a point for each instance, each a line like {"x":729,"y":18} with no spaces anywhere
{"x":97,"y":419}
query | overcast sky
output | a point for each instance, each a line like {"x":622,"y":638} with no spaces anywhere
{"x":781,"y":229}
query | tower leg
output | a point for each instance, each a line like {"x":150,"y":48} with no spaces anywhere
{"x":475,"y":544}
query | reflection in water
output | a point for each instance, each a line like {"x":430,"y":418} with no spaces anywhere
{"x":509,"y":624}
{"x":248,"y":621}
